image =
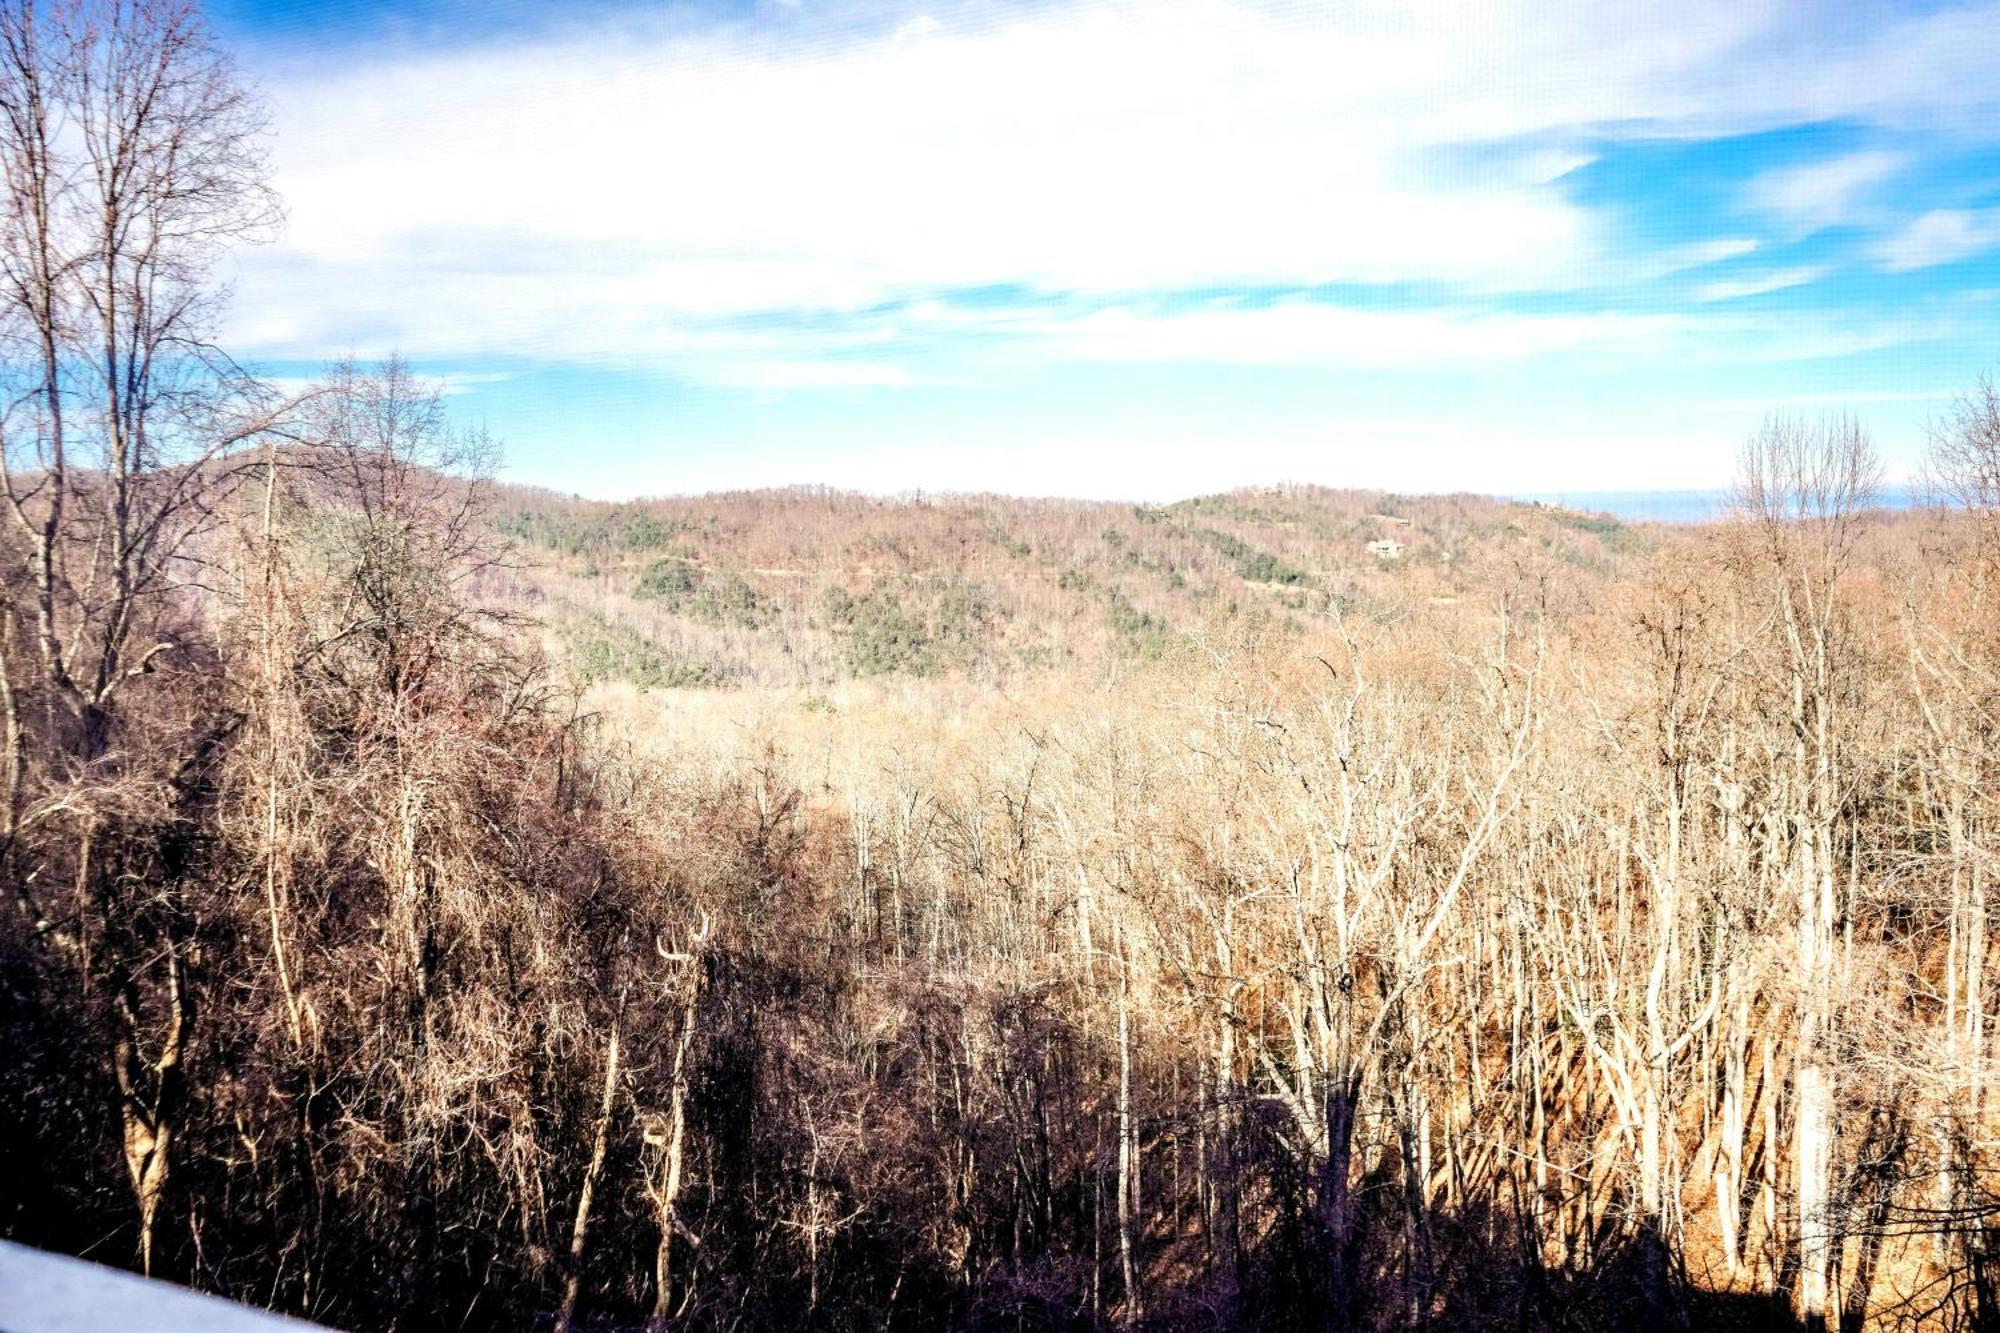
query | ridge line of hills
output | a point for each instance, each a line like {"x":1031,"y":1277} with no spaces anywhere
{"x":805,"y":586}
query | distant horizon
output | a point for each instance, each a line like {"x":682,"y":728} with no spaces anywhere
{"x":1669,"y":506}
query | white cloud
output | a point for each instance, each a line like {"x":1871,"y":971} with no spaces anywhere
{"x":1680,"y":258}
{"x":1308,"y":334}
{"x":1228,"y":148}
{"x":1332,"y":337}
{"x":1820,"y":194}
{"x":1777,"y":280}
{"x":1942,"y":236}
{"x":613,"y":194}
{"x":832,"y":374}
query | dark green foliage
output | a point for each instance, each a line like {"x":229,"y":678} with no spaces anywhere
{"x":1252,"y":565}
{"x":1235,"y":508}
{"x":1267,"y":568}
{"x":580,"y":532}
{"x":881,"y":636}
{"x":912,"y":630}
{"x":1233,"y":547}
{"x":638,"y":531}
{"x":603,"y":650}
{"x":520,"y":524}
{"x":961,"y":615}
{"x":720,"y":597}
{"x":671,"y":581}
{"x":1142,"y":633}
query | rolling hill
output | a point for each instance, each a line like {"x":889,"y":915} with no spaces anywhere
{"x":804,"y":587}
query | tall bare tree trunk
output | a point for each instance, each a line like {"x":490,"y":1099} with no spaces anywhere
{"x":1730,"y":1132}
{"x":1812,"y":1086}
{"x":671,"y":1145}
{"x":150,"y":1094}
{"x":579,"y":1232}
{"x":1128,"y":1146}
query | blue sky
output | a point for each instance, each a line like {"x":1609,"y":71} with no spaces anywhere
{"x":1134,"y":249}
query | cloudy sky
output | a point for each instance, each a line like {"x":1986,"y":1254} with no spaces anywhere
{"x":1135,"y":248}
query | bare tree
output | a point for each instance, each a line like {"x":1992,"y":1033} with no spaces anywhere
{"x":1804,"y":488}
{"x":128,"y":156}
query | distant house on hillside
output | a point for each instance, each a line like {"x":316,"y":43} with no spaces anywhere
{"x":1385,"y":548}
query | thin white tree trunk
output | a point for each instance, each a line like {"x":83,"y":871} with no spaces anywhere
{"x":580,"y":1230}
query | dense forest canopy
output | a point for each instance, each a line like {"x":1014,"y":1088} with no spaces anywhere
{"x":432,"y":904}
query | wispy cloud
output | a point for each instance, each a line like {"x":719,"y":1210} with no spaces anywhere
{"x":1822,"y":194}
{"x":1332,"y":337}
{"x":1691,"y":255}
{"x":1777,"y":280}
{"x":1310,"y":334}
{"x":830,"y":374}
{"x":1942,"y":236}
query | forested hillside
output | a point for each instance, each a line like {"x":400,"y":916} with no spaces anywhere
{"x":430,"y":904}
{"x":806,"y":587}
